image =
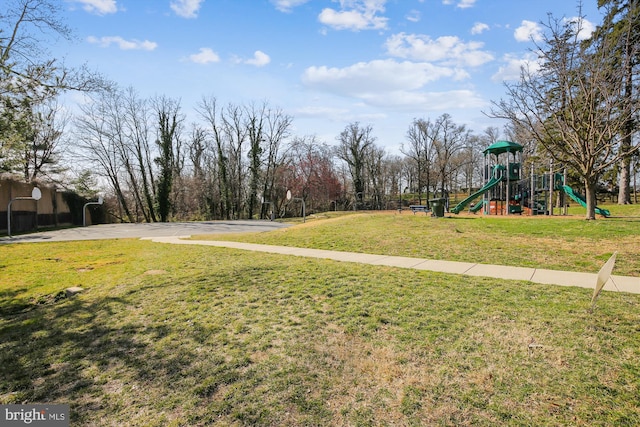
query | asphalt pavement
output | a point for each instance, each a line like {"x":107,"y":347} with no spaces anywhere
{"x":157,"y":229}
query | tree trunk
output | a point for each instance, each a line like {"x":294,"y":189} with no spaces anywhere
{"x":428,"y":185}
{"x":590,"y":197}
{"x":624,"y":193}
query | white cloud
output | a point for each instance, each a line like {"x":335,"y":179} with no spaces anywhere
{"x":204,"y":56}
{"x":462,"y":4}
{"x":332,"y":113}
{"x":584,"y":28}
{"x":391,"y":84}
{"x":366,"y":79}
{"x":511,"y":70}
{"x":287,"y":5}
{"x":414,"y":16}
{"x":186,"y":8}
{"x":428,"y":101}
{"x":355,"y":15}
{"x":122,"y":43}
{"x":260,"y":59}
{"x":446,"y":49}
{"x":528,"y":31}
{"x":479,"y":28}
{"x":99,"y":7}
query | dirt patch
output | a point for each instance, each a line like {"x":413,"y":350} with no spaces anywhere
{"x":155,"y":272}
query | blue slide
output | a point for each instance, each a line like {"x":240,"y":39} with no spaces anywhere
{"x":488,"y":186}
{"x":578,"y":198}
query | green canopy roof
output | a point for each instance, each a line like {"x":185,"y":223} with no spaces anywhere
{"x":500,"y":147}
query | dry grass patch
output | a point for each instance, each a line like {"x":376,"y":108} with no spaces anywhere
{"x":155,"y":272}
{"x":368,"y":374}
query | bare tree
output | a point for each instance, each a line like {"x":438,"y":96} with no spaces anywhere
{"x":114,"y":132}
{"x":448,"y":139}
{"x":394,"y":166}
{"x":139,"y":162}
{"x":97,"y":133}
{"x":235,"y":133}
{"x":471,"y":161}
{"x":26,"y":26}
{"x":573,"y":105}
{"x":311,"y":173}
{"x":29,"y":80}
{"x":127,"y":118}
{"x":208,"y":110}
{"x":277,"y":130}
{"x":420,"y":151}
{"x":201,"y":157}
{"x":197,"y":147}
{"x":375,"y":163}
{"x":354,"y":141}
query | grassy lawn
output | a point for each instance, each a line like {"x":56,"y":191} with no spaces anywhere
{"x":557,"y":243}
{"x":186,"y":336}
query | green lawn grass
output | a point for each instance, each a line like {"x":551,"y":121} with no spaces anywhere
{"x":187,"y":335}
{"x":557,"y":243}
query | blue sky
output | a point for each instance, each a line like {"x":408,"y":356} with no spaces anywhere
{"x":327,"y":63}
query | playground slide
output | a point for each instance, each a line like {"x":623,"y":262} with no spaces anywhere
{"x":477,"y":207}
{"x":578,"y":198}
{"x":488,"y":186}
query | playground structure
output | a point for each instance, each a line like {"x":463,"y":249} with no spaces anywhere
{"x":505,"y":191}
{"x":500,"y":193}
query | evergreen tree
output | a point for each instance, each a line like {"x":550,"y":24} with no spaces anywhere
{"x":620,"y":32}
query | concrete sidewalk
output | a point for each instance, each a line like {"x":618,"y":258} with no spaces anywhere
{"x":535,"y":275}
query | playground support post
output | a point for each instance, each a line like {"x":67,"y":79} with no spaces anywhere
{"x":400,"y":195}
{"x":565,"y":210}
{"x":551,"y":187}
{"x":532,"y":191}
{"x":508,"y":195}
{"x":485,"y":174}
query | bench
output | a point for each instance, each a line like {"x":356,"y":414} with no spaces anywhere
{"x":419,"y":208}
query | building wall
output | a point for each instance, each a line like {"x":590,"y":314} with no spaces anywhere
{"x":28,"y":215}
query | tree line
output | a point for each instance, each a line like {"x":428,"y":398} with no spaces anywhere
{"x":578,"y":106}
{"x":239,"y":161}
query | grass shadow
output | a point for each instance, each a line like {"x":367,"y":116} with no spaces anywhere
{"x":461,"y":218}
{"x":11,"y":304}
{"x":62,"y":349}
